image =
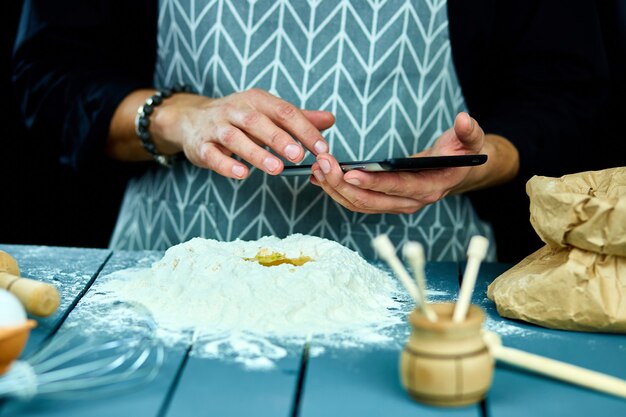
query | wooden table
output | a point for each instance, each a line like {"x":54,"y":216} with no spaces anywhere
{"x":340,"y":382}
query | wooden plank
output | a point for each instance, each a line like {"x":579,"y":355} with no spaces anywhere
{"x":144,"y":400}
{"x":366,"y":382}
{"x":71,"y":270}
{"x":517,"y":393}
{"x":211,"y":387}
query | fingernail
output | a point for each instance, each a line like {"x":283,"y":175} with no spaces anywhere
{"x":318,"y":175}
{"x":471,"y":122}
{"x":238,"y":171}
{"x":321,"y":146}
{"x":353,"y":181}
{"x":325,"y":165}
{"x":292,"y":151}
{"x":271,"y":164}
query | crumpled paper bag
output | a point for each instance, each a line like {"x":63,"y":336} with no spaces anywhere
{"x":567,"y":289}
{"x":578,"y":280}
{"x":586,"y":210}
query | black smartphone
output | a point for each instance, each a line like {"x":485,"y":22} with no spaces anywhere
{"x":398,"y":164}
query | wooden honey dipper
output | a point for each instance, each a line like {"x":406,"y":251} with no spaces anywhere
{"x":38,"y":298}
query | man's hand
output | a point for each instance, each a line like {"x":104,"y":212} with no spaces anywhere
{"x":210,"y":131}
{"x":407,"y":192}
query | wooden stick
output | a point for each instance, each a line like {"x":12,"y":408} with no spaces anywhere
{"x":39,"y":298}
{"x":414,"y":253}
{"x":555,"y":369}
{"x":476,"y":252}
{"x":385,"y":250}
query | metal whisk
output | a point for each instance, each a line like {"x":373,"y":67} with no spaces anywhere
{"x":64,"y":369}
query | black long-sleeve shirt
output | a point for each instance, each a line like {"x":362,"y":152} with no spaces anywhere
{"x":532,"y":71}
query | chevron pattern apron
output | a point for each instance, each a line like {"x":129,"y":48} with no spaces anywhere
{"x":383,"y":67}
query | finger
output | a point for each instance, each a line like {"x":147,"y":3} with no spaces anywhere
{"x":321,"y":119}
{"x":262,"y":130}
{"x":330,"y":176}
{"x":391,"y":183}
{"x":320,"y":181}
{"x":370,"y":202}
{"x":417,"y":186}
{"x":320,"y":172}
{"x":237,"y":142}
{"x":468,"y":132}
{"x":292,"y":119}
{"x":214,"y":157}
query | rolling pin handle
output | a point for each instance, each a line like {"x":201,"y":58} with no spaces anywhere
{"x":39,"y":298}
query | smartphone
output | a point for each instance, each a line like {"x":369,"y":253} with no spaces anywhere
{"x":398,"y":164}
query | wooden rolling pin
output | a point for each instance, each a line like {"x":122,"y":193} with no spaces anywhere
{"x":553,"y":368}
{"x":38,"y":298}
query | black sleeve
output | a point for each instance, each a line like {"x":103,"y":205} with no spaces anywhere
{"x":612,"y":15}
{"x":74,"y":61}
{"x":534,"y":72}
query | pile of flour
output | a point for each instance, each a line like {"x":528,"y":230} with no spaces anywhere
{"x":232,"y":307}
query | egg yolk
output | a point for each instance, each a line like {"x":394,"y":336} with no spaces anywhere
{"x":267,"y":258}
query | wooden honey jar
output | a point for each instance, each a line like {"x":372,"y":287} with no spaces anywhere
{"x":446,"y":363}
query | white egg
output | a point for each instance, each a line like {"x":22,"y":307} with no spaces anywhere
{"x":12,"y":312}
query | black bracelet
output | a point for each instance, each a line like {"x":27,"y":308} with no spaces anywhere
{"x":142,"y":121}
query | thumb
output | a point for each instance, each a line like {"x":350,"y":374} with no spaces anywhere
{"x":468,"y":132}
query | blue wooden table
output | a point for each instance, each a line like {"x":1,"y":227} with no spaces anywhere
{"x":343,"y":382}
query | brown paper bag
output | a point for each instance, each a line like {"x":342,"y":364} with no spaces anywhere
{"x":567,"y":288}
{"x":578,"y":280}
{"x":586,"y":210}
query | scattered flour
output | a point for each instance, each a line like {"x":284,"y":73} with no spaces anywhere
{"x":217,"y":296}
{"x":506,"y":328}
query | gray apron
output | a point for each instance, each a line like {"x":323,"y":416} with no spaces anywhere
{"x":383,"y":68}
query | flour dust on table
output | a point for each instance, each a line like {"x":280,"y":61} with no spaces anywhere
{"x":255,"y":302}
